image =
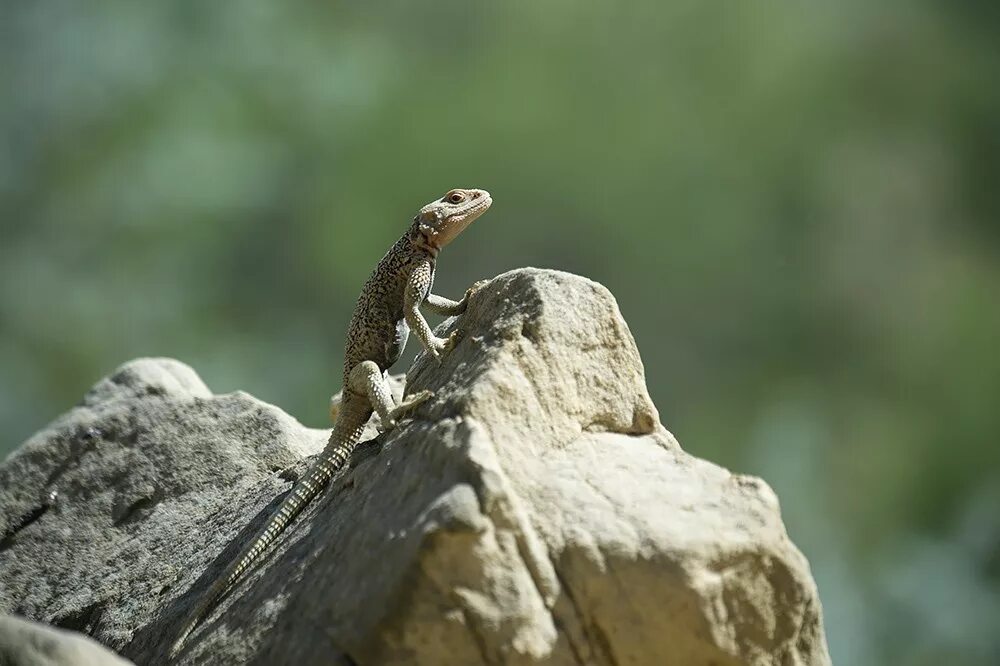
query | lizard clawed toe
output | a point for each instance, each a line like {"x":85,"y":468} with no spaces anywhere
{"x":406,"y":407}
{"x":476,"y":286}
{"x":440,"y":346}
{"x":452,"y":340}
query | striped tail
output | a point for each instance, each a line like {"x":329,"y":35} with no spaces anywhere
{"x":337,"y":453}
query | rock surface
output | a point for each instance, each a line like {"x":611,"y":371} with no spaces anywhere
{"x":534,"y":511}
{"x":24,"y":643}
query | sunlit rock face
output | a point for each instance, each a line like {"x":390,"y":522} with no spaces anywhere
{"x":534,"y":511}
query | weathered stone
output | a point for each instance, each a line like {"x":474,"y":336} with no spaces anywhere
{"x":534,"y":511}
{"x":24,"y":643}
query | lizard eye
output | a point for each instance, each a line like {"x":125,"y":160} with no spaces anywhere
{"x":456,"y":197}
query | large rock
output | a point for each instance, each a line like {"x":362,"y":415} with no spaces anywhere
{"x":535,"y":511}
{"x":24,"y":643}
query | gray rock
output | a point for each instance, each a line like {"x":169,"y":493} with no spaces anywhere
{"x":24,"y":643}
{"x":534,"y":511}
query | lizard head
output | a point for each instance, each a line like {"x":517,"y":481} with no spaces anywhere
{"x":440,"y":221}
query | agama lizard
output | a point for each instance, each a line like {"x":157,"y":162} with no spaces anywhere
{"x":388,"y":307}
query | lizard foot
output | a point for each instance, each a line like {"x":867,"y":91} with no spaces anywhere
{"x":439,"y":346}
{"x":476,"y":286}
{"x":411,"y":402}
{"x":469,"y":293}
{"x":405,"y":408}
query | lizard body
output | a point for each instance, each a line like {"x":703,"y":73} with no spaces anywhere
{"x":387,"y":309}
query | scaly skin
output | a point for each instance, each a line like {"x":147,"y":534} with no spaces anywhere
{"x":388,"y":307}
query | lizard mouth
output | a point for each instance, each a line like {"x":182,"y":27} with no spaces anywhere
{"x":477,"y":207}
{"x":459,"y":220}
{"x":480,"y":205}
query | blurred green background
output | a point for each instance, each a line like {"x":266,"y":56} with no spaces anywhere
{"x":796,"y":205}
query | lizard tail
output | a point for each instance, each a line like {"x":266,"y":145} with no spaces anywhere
{"x":337,"y":453}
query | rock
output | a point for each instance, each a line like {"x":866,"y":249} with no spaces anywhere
{"x":24,"y":643}
{"x":534,"y":511}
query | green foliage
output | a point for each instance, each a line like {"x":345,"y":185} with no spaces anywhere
{"x":795,"y":204}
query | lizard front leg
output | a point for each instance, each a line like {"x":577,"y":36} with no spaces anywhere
{"x":417,"y":288}
{"x":444,"y":306}
{"x":449,"y":308}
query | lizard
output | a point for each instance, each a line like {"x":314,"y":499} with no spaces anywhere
{"x":387,"y":309}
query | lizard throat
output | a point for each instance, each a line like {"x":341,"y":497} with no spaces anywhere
{"x":423,"y":241}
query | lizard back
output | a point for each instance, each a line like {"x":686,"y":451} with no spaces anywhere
{"x":378,"y":330}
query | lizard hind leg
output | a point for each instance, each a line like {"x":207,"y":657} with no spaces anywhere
{"x":367,"y":379}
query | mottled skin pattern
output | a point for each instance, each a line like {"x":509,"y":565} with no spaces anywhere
{"x":388,"y":308}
